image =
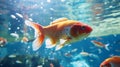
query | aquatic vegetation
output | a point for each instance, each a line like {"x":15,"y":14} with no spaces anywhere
{"x":80,"y":64}
{"x":27,"y":61}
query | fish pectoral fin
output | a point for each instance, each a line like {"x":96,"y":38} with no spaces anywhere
{"x":58,"y":47}
{"x":38,"y":42}
{"x":62,"y":44}
{"x":50,"y":43}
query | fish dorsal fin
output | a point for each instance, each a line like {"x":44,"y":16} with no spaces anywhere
{"x":116,"y":57}
{"x":59,"y":20}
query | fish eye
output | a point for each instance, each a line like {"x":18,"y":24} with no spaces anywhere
{"x":83,"y":27}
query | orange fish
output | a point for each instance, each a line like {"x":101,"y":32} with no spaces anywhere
{"x":59,"y":33}
{"x":24,"y":39}
{"x":100,"y":44}
{"x":3,"y":41}
{"x":111,"y":62}
{"x":51,"y":65}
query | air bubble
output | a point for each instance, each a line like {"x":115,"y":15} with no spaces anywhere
{"x":18,"y":28}
{"x":13,"y":16}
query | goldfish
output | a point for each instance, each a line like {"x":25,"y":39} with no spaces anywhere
{"x":24,"y":39}
{"x":59,"y":33}
{"x":111,"y":62}
{"x":3,"y":41}
{"x":100,"y":44}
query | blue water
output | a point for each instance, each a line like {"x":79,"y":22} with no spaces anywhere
{"x":74,"y":58}
{"x":44,"y":12}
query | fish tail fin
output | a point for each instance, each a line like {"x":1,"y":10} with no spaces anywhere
{"x":106,"y":47}
{"x":39,"y":35}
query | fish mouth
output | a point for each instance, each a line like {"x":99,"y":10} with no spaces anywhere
{"x":86,"y":35}
{"x":82,"y":36}
{"x":89,"y":29}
